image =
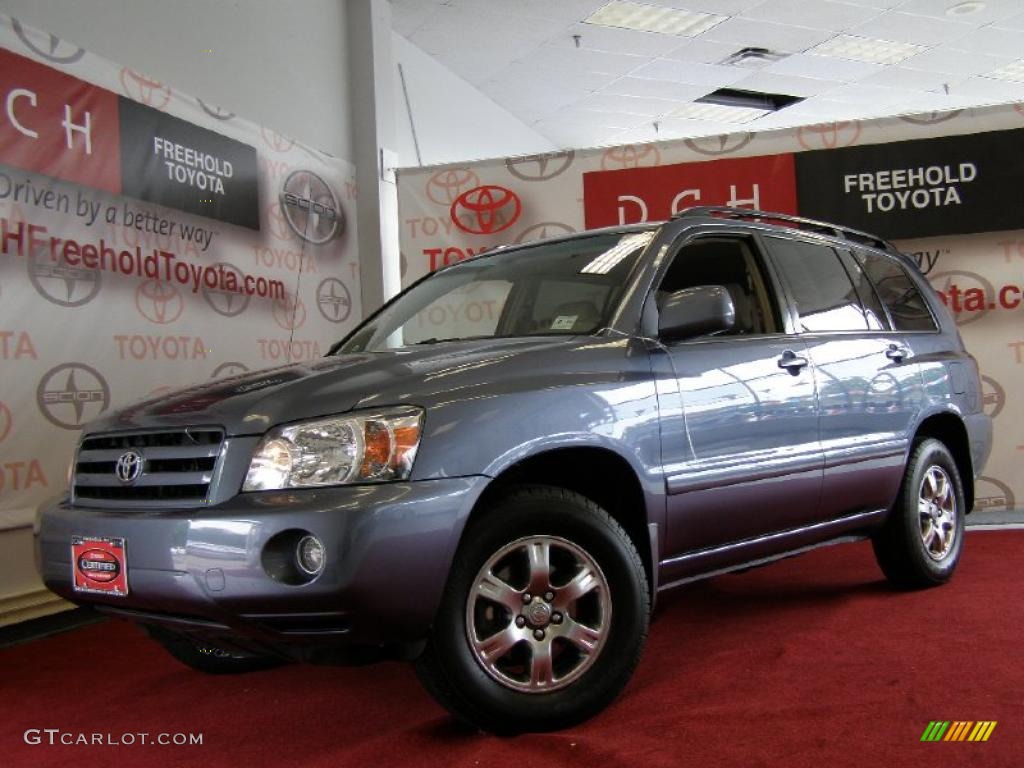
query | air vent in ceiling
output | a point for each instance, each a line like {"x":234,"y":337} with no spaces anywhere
{"x":753,"y":58}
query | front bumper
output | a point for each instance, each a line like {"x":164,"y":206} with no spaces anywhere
{"x":389,"y":548}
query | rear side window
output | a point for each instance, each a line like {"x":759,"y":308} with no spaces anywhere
{"x":825,"y":298}
{"x":906,"y":305}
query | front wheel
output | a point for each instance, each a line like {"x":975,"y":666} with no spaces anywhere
{"x":920,"y":544}
{"x":544,"y":616}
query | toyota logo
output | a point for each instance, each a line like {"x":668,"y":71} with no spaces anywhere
{"x":159,"y":302}
{"x":333,"y":300}
{"x":993,"y":396}
{"x":289,"y":312}
{"x":630,"y":156}
{"x":486,"y":210}
{"x":445,"y":186}
{"x":276,"y":141}
{"x":544,"y":230}
{"x":71,"y":394}
{"x":144,"y":89}
{"x":540,"y":167}
{"x":829,"y":135}
{"x":128,"y":467}
{"x":5,"y":421}
{"x":217,"y":113}
{"x":228,"y":369}
{"x":930,"y":118}
{"x":311,"y":208}
{"x":725,"y":144}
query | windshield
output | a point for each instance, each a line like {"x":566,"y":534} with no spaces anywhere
{"x":568,"y":287}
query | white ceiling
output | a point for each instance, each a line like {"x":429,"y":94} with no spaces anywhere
{"x":618,"y":82}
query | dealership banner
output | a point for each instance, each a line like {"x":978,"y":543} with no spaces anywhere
{"x":148,"y":241}
{"x":946,"y":186}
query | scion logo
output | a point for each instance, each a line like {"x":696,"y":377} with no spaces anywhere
{"x":289,"y":313}
{"x":630,"y":156}
{"x":62,"y":284}
{"x":993,"y":396}
{"x":333,"y":300}
{"x":930,"y":118}
{"x":445,"y":186}
{"x":276,"y":141}
{"x":725,"y":144}
{"x":128,"y":467}
{"x":311,"y":208}
{"x":144,"y":89}
{"x":829,"y":135}
{"x":540,"y":167}
{"x":225,"y":370}
{"x":224,"y":302}
{"x":993,"y":495}
{"x":54,"y":49}
{"x":277,"y":223}
{"x":71,"y":394}
{"x":159,"y":302}
{"x":5,"y":421}
{"x":486,"y":210}
{"x":544,"y":230}
{"x":215,"y":112}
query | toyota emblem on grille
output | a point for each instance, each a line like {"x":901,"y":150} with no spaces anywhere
{"x":128,"y":467}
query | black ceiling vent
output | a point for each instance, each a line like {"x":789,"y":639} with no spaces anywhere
{"x":753,"y":57}
{"x":732,"y":97}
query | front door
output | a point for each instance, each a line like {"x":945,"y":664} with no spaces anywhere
{"x":750,"y":464}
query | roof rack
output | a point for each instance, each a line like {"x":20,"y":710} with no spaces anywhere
{"x":813,"y":225}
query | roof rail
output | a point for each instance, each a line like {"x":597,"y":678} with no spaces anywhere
{"x":823,"y":227}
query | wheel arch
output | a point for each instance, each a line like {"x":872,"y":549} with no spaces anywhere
{"x":598,"y":473}
{"x":948,"y":428}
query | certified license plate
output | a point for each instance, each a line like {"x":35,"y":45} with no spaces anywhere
{"x":99,"y":565}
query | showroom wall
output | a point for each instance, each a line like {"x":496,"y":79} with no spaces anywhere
{"x":124,"y":259}
{"x":279,"y":64}
{"x":976,"y":202}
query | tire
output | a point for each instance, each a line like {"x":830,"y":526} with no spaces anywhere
{"x":209,"y":658}
{"x":906,"y":558}
{"x":595,"y":596}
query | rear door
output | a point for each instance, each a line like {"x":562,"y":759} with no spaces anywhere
{"x":868,"y":387}
{"x":750,"y":462}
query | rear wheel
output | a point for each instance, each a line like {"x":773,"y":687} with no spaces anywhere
{"x":544,"y":616}
{"x":207,"y":657}
{"x":921,"y":542}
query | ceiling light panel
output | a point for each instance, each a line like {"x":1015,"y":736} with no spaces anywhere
{"x":867,"y":49}
{"x":718,"y":113}
{"x":1014,"y":72}
{"x":652,"y":18}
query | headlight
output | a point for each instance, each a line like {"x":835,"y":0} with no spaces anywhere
{"x":356,"y":448}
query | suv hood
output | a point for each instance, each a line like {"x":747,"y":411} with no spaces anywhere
{"x":251,"y":403}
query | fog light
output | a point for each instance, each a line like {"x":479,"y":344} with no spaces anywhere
{"x":309,"y":554}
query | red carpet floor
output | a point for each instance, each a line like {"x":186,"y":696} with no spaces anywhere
{"x":810,"y":662}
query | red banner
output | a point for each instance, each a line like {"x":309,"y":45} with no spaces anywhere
{"x":634,"y":195}
{"x":58,"y":125}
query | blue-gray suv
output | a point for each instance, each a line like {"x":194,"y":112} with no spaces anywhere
{"x":496,"y":473}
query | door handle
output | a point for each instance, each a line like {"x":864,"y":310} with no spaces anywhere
{"x":791,"y":362}
{"x":896,"y":352}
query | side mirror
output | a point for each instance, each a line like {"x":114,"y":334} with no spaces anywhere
{"x":696,"y":312}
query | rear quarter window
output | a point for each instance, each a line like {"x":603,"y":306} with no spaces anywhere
{"x":907,"y":307}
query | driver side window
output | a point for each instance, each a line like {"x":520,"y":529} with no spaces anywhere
{"x":732,"y":263}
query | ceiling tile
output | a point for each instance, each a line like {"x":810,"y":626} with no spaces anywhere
{"x":987,"y":88}
{"x":696,"y":74}
{"x":562,"y":10}
{"x":616,"y":40}
{"x":1014,"y":22}
{"x":655,"y":89}
{"x":823,"y":68}
{"x":858,"y":93}
{"x":702,"y":51}
{"x":905,"y":28}
{"x":823,"y":14}
{"x":627,"y":105}
{"x":914,"y":79}
{"x":768,"y":82}
{"x":991,"y":40}
{"x":776,"y":37}
{"x":955,"y":62}
{"x":721,"y":7}
{"x":992,"y":10}
{"x":557,"y":57}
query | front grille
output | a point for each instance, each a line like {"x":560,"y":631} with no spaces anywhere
{"x":177,"y":468}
